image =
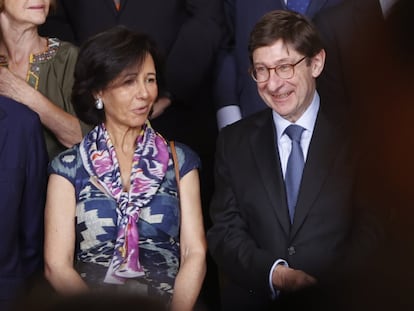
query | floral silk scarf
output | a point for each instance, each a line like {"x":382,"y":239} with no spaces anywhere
{"x":149,"y":166}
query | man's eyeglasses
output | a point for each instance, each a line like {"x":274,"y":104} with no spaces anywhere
{"x":261,"y":73}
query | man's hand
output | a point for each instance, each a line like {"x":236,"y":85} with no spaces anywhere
{"x":288,"y":279}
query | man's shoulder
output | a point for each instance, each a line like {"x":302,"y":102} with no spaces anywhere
{"x":240,"y":134}
{"x":337,"y":15}
{"x":248,"y":123}
{"x":15,"y":112}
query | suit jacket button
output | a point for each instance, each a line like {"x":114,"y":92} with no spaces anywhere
{"x":291,"y":250}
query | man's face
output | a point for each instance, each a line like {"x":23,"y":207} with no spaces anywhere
{"x":288,"y":97}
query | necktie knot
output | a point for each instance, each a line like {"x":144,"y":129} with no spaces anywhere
{"x":294,"y":132}
{"x":299,"y":6}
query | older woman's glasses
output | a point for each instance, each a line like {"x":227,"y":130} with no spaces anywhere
{"x":261,"y":73}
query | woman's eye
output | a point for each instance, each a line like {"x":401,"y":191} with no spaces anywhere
{"x":129,"y":81}
{"x":151,"y":80}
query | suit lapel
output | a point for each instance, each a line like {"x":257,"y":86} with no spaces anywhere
{"x":268,"y":165}
{"x":314,"y":7}
{"x":123,"y":4}
{"x":111,"y":5}
{"x":367,"y":12}
{"x":323,"y":149}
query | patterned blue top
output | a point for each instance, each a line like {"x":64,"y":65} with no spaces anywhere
{"x":96,"y":228}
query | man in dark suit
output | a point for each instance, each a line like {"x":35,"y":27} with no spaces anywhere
{"x":235,"y":93}
{"x":271,"y":251}
{"x":23,"y":171}
{"x":355,"y":39}
{"x":369,"y":65}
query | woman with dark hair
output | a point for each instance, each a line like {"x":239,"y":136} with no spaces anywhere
{"x":116,"y":219}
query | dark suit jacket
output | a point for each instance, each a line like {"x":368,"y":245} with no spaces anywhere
{"x":234,"y":85}
{"x":364,"y":69}
{"x":187,"y":32}
{"x":251,"y":227}
{"x":354,"y":37}
{"x":23,"y":171}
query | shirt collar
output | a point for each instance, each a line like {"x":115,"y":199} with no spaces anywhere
{"x":307,"y":120}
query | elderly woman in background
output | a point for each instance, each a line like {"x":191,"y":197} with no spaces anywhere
{"x":112,"y":200}
{"x":38,"y":71}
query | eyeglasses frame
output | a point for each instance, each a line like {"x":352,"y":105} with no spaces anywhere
{"x":292,"y":66}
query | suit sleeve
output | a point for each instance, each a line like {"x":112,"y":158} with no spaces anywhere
{"x":230,"y":243}
{"x":224,"y":90}
{"x":33,"y":200}
{"x":197,"y":43}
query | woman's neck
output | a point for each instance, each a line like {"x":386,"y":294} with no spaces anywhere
{"x":19,"y":41}
{"x":123,"y":138}
{"x":124,"y":141}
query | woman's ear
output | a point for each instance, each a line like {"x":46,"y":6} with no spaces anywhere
{"x":97,"y":95}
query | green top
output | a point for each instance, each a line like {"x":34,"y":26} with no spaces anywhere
{"x":51,"y":73}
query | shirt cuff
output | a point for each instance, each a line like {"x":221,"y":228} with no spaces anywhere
{"x":227,"y":115}
{"x":275,"y":292}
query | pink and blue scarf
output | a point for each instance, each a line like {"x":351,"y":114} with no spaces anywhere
{"x":149,"y":166}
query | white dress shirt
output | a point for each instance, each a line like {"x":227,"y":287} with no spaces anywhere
{"x":284,"y":143}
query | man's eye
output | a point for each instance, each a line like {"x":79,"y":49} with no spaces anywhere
{"x":284,"y":68}
{"x":261,"y":70}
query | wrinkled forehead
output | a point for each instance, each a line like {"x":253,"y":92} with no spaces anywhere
{"x":278,"y":48}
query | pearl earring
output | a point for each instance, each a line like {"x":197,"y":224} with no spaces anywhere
{"x":99,"y":103}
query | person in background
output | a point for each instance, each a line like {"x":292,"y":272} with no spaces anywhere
{"x":116,"y":219}
{"x":289,"y":221}
{"x":38,"y":71}
{"x":355,"y":39}
{"x":371,"y":46}
{"x":23,"y":177}
{"x":234,"y":92}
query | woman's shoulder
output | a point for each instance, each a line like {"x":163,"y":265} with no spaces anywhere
{"x":64,"y":49}
{"x":66,"y":45}
{"x":56,"y":50}
{"x":187,"y":158}
{"x":66,"y":163}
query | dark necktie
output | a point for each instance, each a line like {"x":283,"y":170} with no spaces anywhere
{"x":299,"y":6}
{"x":294,"y":168}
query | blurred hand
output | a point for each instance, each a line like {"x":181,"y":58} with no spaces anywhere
{"x":288,"y":279}
{"x":159,"y":107}
{"x":14,"y":87}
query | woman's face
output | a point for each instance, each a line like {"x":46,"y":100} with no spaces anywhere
{"x":129,"y":98}
{"x":26,"y":11}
